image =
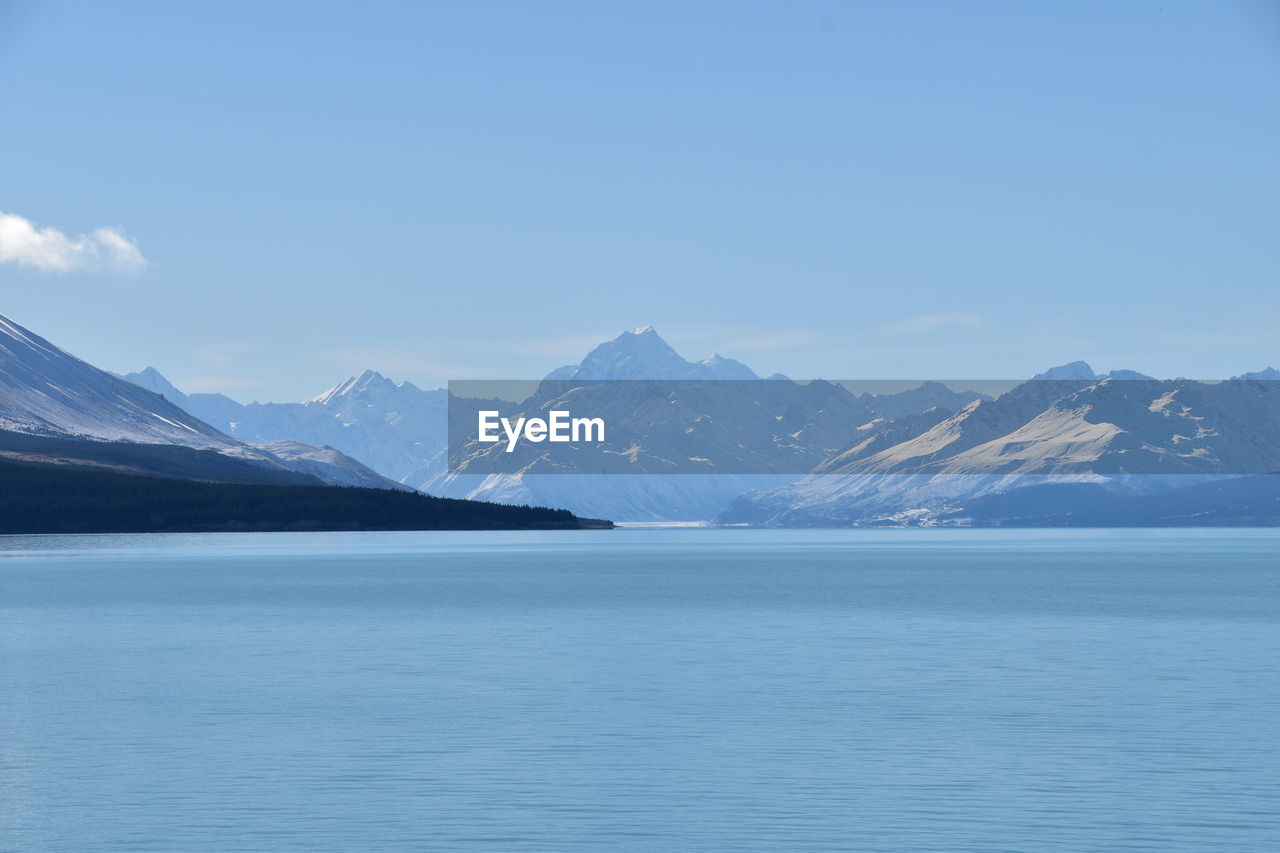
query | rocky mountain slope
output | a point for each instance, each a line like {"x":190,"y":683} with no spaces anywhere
{"x":1127,"y":436}
{"x":56,"y":407}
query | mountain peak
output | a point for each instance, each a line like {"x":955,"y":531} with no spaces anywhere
{"x":719,"y":367}
{"x":1267,"y":373}
{"x":1081,"y":371}
{"x":155,"y":382}
{"x":371,"y":377}
{"x":1129,"y":375}
{"x":643,"y":354}
{"x":367,"y":380}
{"x":1074,"y":370}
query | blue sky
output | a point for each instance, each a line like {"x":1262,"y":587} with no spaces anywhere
{"x":485,"y":189}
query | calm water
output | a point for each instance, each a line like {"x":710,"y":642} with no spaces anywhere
{"x":642,"y":690}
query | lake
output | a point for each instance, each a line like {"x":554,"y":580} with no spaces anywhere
{"x":659,"y":689}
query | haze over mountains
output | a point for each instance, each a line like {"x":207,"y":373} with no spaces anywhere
{"x":395,"y":429}
{"x":84,"y":451}
{"x":1052,"y":448}
{"x":401,"y":431}
{"x":643,"y":354}
{"x":1070,"y":437}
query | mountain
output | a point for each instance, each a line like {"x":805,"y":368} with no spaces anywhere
{"x":791,"y":453}
{"x":84,"y":451}
{"x":56,"y":407}
{"x":1236,"y":502}
{"x":1123,"y":437}
{"x":1080,"y":370}
{"x":643,"y":354}
{"x":668,"y":422}
{"x":1076,"y":370}
{"x":400,"y":431}
{"x":395,"y":429}
{"x":913,"y":401}
{"x":46,"y":391}
{"x":651,"y":366}
{"x":674,"y":450}
{"x":1269,"y":374}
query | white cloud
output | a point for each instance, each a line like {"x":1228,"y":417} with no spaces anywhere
{"x":959,"y":321}
{"x":50,"y":250}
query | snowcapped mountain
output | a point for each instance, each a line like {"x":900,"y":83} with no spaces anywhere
{"x":740,"y":436}
{"x":674,"y":451}
{"x":643,"y":354}
{"x":45,"y":390}
{"x":56,"y":407}
{"x":919,"y":455}
{"x":395,"y":429}
{"x":401,"y":431}
{"x":1124,"y":436}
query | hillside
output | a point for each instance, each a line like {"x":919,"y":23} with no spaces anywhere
{"x":57,"y":499}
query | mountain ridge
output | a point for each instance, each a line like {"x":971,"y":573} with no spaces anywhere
{"x":906,"y":431}
{"x":47,"y":392}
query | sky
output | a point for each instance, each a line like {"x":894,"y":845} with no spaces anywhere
{"x":265,"y":198}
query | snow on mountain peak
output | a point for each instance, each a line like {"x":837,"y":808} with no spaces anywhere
{"x":719,"y":367}
{"x":367,"y":380}
{"x":643,"y":354}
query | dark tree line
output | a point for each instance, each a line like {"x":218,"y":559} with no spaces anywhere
{"x":53,"y":499}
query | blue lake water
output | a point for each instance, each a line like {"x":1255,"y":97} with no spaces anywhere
{"x":671,"y":690}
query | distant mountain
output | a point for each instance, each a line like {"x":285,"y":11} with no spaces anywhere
{"x":1269,"y":374}
{"x":56,"y":407}
{"x":395,"y":429}
{"x":46,"y":391}
{"x":920,"y":455}
{"x":639,"y":356}
{"x":930,"y":395}
{"x":1075,"y":370}
{"x":643,"y":354}
{"x":400,"y":431}
{"x":666,"y":418}
{"x":1080,"y":370}
{"x":1123,"y":436}
{"x":1188,"y":502}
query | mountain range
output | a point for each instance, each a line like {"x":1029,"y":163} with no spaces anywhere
{"x":935,"y":453}
{"x":401,"y":430}
{"x":1109,"y":440}
{"x":83,"y":450}
{"x":395,"y":429}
